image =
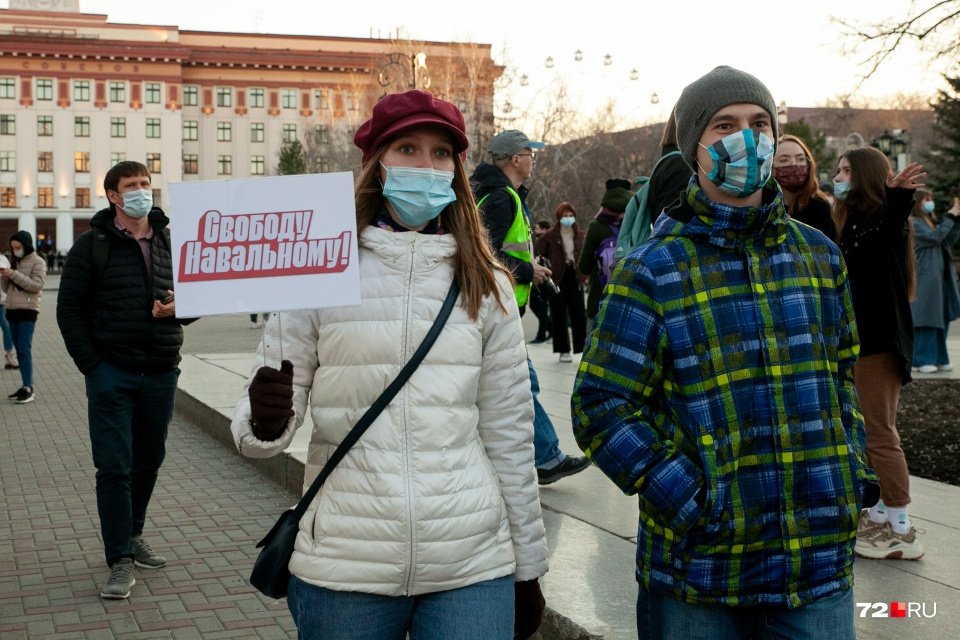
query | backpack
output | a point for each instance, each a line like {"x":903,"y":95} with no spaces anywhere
{"x":605,"y":256}
{"x":638,"y":218}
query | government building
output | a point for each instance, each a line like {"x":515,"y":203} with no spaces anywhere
{"x":79,"y":94}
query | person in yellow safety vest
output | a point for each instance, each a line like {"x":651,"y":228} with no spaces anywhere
{"x":498,"y":188}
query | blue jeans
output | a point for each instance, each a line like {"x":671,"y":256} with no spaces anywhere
{"x":5,"y":329}
{"x":22,"y":334}
{"x":128,"y":414}
{"x":546,"y":444}
{"x":662,"y":617}
{"x":482,"y":611}
{"x":929,"y":346}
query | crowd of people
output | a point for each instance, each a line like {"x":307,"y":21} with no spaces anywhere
{"x":745,"y":332}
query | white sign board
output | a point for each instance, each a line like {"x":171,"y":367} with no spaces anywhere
{"x":264,"y":244}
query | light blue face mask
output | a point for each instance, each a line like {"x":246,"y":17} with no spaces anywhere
{"x":929,"y":206}
{"x":840,"y":190}
{"x":137,"y":204}
{"x":568,"y":222}
{"x":418,"y":195}
{"x":742,"y":162}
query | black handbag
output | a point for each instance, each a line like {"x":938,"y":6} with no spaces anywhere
{"x":271,"y":575}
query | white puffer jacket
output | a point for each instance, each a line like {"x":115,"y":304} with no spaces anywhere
{"x":441,"y":491}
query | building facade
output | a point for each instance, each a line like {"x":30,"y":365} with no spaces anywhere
{"x":78,"y":94}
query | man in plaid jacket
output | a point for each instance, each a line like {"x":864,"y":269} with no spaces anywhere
{"x":717,"y":386}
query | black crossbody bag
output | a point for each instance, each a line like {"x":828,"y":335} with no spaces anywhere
{"x":271,"y":575}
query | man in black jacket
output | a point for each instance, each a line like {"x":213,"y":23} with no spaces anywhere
{"x":501,"y":195}
{"x":116,"y":313}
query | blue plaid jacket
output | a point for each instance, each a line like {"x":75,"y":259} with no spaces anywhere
{"x":717,"y":386}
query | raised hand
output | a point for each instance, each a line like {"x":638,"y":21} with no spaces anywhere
{"x":909,"y":178}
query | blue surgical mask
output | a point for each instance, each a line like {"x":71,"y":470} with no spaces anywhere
{"x":742,"y":162}
{"x":840,"y":190}
{"x":418,"y":195}
{"x":137,"y":204}
{"x":568,"y":222}
{"x":929,"y":206}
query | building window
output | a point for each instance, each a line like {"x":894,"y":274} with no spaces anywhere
{"x":190,"y":130}
{"x":117,"y":157}
{"x":224,"y":165}
{"x":81,"y":161}
{"x":8,"y":160}
{"x":289,"y":133}
{"x":118,"y":127}
{"x":257,"y":165}
{"x":355,"y":102}
{"x":44,"y":89}
{"x":288,"y":98}
{"x":224,"y":97}
{"x":118,"y":92}
{"x":190,"y":96}
{"x":323,"y":134}
{"x":45,"y":162}
{"x":153,"y":127}
{"x":81,"y":198}
{"x":153,"y":162}
{"x":152,"y":93}
{"x":256,"y":132}
{"x":8,"y":88}
{"x":256,"y":98}
{"x":324,"y":165}
{"x":320,"y":99}
{"x":81,"y":126}
{"x":157,"y":194}
{"x":190,"y":163}
{"x":45,"y":198}
{"x":8,"y":125}
{"x":81,"y":90}
{"x":44,"y":125}
{"x":224,"y":132}
{"x":8,"y":197}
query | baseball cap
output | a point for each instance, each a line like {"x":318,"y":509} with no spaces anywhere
{"x":507,"y":143}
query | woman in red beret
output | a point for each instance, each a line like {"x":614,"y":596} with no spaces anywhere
{"x":431,"y":524}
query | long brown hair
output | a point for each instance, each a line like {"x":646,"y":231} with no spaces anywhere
{"x":811,"y":189}
{"x":868,"y":177}
{"x":918,"y":212}
{"x":474,"y":263}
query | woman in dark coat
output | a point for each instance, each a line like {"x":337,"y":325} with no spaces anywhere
{"x":795,"y":171}
{"x":873,"y":206}
{"x":607,"y":222}
{"x":562,"y":246}
{"x":937,"y":301}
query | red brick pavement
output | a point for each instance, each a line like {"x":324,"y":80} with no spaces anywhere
{"x":208,"y":511}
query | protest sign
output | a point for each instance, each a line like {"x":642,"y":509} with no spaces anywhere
{"x":264,"y":244}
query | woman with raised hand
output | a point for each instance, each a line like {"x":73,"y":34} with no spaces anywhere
{"x":872,"y":209}
{"x":431,"y":524}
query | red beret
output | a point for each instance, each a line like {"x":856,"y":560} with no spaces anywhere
{"x":398,"y":111}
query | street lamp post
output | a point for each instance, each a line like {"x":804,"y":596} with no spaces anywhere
{"x":395,"y":71}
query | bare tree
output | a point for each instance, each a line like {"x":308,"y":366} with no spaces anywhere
{"x":934,"y":25}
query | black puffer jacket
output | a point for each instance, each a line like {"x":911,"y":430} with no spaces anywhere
{"x":110,"y":317}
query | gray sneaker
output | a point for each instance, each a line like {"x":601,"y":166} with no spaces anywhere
{"x":121,"y":579}
{"x":145,"y":556}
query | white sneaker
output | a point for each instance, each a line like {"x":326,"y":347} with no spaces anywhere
{"x":927,"y":368}
{"x":565,"y":357}
{"x":945,"y":367}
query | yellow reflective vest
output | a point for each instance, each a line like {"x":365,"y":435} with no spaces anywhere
{"x":517,"y":243}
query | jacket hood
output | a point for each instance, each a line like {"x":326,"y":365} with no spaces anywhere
{"x":722,"y":225}
{"x":24,"y":238}
{"x":486,"y":178}
{"x":103,"y":219}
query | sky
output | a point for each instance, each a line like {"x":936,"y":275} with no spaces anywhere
{"x":793,"y":47}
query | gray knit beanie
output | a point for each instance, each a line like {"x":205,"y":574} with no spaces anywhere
{"x":702,"y":99}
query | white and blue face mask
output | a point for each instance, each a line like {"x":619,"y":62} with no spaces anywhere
{"x":742,"y":162}
{"x":840,"y":190}
{"x":418,"y":195}
{"x":137,"y":204}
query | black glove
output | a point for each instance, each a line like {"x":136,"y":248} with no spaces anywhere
{"x":528,"y":605}
{"x":271,"y":400}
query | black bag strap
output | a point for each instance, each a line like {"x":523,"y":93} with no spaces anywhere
{"x":380,"y":404}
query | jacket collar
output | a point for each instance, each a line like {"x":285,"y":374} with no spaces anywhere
{"x":391,"y":245}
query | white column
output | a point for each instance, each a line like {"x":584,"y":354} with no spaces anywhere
{"x":28,"y":223}
{"x":64,"y":232}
